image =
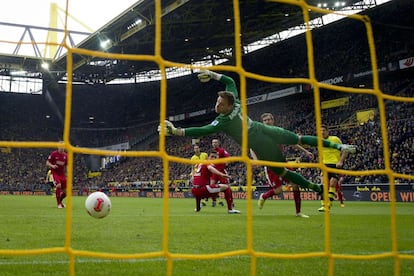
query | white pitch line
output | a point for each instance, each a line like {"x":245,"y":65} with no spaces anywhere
{"x":91,"y":260}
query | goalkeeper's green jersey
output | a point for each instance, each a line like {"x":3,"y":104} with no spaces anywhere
{"x":263,"y":139}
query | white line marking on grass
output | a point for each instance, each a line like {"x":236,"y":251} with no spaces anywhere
{"x":97,"y":261}
{"x":88,"y":260}
{"x":94,"y":260}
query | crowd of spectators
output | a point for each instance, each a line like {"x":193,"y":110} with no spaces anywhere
{"x":367,"y":136}
{"x":23,"y":168}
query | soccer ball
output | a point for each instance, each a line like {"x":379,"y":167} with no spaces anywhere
{"x":98,"y":205}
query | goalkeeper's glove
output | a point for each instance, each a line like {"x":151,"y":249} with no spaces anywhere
{"x":206,"y":75}
{"x":170,"y":129}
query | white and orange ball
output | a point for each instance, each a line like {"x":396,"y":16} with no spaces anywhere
{"x":98,"y":205}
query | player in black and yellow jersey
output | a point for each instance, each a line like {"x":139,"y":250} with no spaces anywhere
{"x":332,"y":158}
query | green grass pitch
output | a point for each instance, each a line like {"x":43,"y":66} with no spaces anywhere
{"x":135,"y":225}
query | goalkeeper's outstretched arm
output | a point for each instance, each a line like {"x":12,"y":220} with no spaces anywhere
{"x":224,"y":106}
{"x":170,"y":130}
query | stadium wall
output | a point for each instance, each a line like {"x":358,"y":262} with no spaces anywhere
{"x":373,"y":193}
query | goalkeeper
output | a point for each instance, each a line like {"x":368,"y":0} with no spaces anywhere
{"x":262,"y":139}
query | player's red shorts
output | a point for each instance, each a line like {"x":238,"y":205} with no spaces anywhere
{"x":57,"y":178}
{"x":273,"y":179}
{"x":219,"y":179}
{"x":206,"y":191}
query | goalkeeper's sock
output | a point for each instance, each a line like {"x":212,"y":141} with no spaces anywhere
{"x":301,"y":181}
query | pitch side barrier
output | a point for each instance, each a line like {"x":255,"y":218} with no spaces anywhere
{"x":352,"y":192}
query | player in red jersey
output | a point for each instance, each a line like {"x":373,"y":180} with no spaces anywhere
{"x":274,"y":180}
{"x":57,"y":162}
{"x":222,"y":153}
{"x":204,"y":188}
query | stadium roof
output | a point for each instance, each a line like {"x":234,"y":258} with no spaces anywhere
{"x":192,"y":31}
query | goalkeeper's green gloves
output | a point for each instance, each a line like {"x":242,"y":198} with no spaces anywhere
{"x":206,"y":75}
{"x":170,"y":129}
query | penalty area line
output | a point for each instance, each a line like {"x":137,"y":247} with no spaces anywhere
{"x":94,"y":260}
